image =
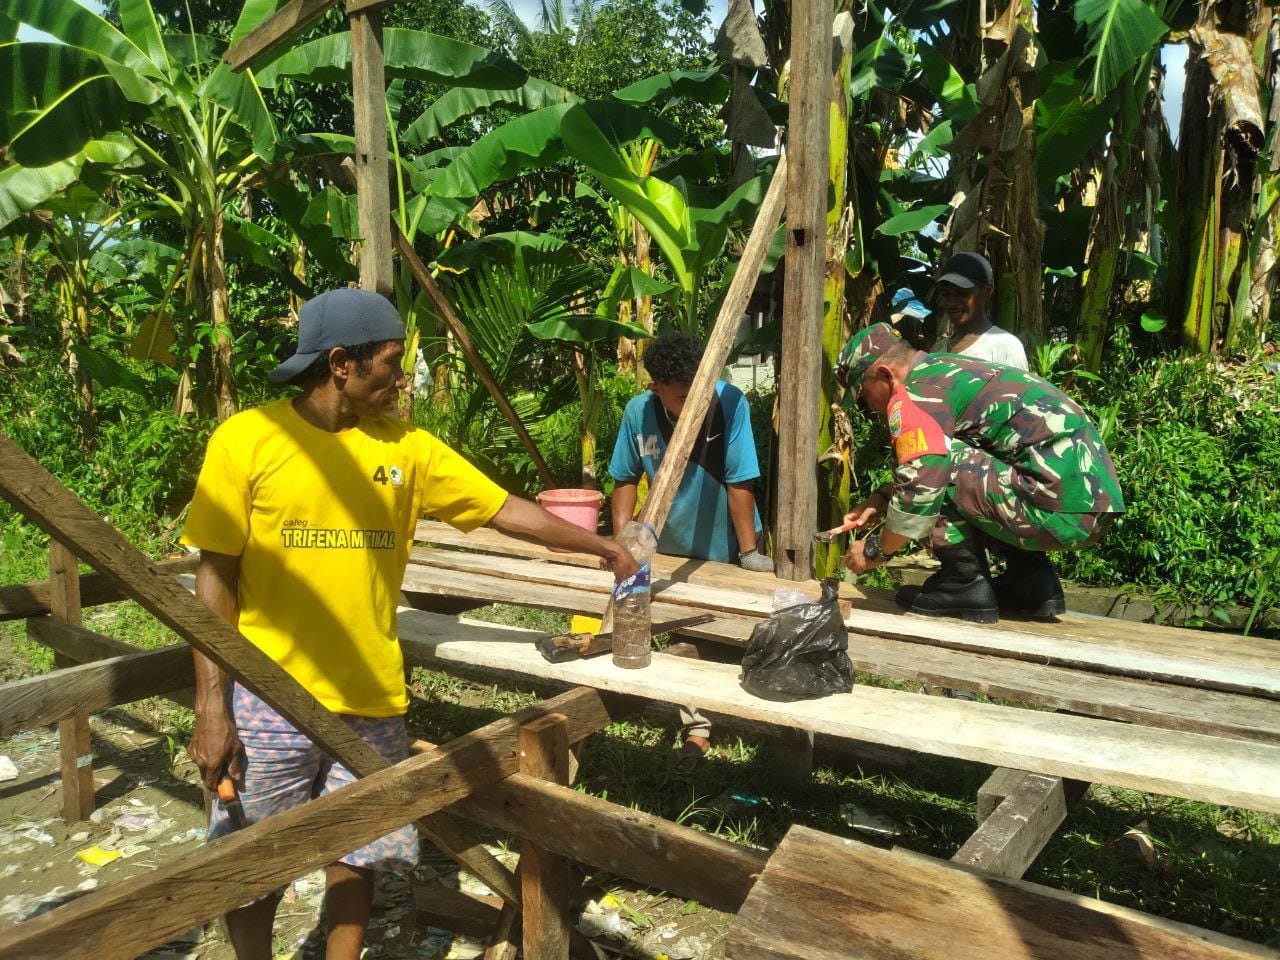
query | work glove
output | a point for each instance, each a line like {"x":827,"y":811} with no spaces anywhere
{"x":753,"y":559}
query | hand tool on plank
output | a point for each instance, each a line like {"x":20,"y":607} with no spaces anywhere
{"x":576,"y":646}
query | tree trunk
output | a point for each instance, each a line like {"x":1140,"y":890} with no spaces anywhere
{"x":1217,"y":152}
{"x":220,"y":323}
{"x":584,"y":374}
{"x":75,"y":333}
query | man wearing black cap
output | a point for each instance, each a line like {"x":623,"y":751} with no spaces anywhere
{"x":964,"y":289}
{"x":304,"y":514}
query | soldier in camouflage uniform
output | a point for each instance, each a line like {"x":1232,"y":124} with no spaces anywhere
{"x":986,"y":454}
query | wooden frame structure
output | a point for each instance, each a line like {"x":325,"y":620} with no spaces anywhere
{"x":511,"y":774}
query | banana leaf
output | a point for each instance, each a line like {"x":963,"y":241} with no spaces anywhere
{"x":412,"y":54}
{"x":461,"y":102}
{"x":1120,"y":33}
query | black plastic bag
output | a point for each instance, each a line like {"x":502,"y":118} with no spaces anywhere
{"x":800,"y":653}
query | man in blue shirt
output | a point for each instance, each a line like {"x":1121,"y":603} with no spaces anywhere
{"x":714,"y":514}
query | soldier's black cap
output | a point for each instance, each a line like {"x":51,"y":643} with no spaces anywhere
{"x":966,"y":270}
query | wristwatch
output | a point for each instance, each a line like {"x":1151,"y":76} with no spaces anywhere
{"x":871,"y":549}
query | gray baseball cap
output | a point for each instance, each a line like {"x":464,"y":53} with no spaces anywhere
{"x":966,"y":270}
{"x":345,"y":317}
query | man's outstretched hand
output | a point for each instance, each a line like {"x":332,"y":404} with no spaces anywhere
{"x":620,"y":562}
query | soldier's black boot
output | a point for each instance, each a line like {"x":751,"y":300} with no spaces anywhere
{"x":1029,"y":586}
{"x":961,"y":588}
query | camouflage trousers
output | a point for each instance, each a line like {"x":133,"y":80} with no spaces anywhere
{"x":986,"y":499}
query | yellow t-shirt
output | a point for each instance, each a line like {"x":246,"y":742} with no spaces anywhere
{"x":322,"y":523}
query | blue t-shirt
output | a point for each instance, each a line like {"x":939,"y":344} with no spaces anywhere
{"x":698,"y":525}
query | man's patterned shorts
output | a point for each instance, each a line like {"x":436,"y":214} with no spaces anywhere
{"x":284,"y":769}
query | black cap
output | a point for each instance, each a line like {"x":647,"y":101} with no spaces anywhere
{"x":346,"y":317}
{"x":966,"y":270}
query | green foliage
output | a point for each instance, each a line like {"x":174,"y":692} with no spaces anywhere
{"x":1196,"y":445}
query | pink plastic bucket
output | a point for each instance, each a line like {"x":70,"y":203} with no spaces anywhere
{"x":579,"y":507}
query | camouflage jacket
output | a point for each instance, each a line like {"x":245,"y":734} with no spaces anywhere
{"x":1047,"y":451}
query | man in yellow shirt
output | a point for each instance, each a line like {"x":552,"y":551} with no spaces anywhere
{"x":304,"y":514}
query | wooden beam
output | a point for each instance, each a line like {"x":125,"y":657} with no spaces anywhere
{"x":278,"y":28}
{"x":629,"y":843}
{"x":1190,"y":765}
{"x":438,"y":905}
{"x":478,"y":363}
{"x":373,"y":192}
{"x":827,"y":898}
{"x":799,"y":377}
{"x":1008,"y":841}
{"x":74,"y":742}
{"x":32,"y":599}
{"x":91,"y":687}
{"x":544,"y":876}
{"x":124,"y":920}
{"x":38,"y":496}
{"x":84,"y":646}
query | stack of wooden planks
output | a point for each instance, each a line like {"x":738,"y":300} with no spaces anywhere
{"x":1169,"y":711}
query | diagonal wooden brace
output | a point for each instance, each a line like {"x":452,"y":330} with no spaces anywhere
{"x":38,"y":496}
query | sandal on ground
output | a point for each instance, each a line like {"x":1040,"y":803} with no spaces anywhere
{"x":690,"y":755}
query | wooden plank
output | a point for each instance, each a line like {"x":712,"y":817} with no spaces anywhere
{"x":826,"y":898}
{"x":373,"y":192}
{"x":289,"y":19}
{"x":1008,"y":841}
{"x":799,"y":372}
{"x":38,"y":496}
{"x":1058,"y":688}
{"x":1096,"y":655}
{"x":126,"y":919}
{"x":85,"y":646}
{"x":545,"y":877}
{"x":91,"y":687}
{"x":477,"y":361}
{"x":1173,"y":763}
{"x":1244,"y":652}
{"x":629,"y":843}
{"x":75,"y":746}
{"x":32,"y":599}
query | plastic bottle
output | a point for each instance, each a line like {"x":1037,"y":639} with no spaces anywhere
{"x":632,"y":640}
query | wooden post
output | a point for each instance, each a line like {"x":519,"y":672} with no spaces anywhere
{"x":808,"y":131}
{"x":73,"y":733}
{"x":373,"y":193}
{"x":545,"y":876}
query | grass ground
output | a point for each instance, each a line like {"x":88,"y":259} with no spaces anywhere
{"x":1214,"y":867}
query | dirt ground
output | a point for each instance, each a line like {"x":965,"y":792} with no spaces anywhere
{"x":150,"y":811}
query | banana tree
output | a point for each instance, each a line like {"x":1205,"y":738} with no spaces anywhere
{"x":197,"y":126}
{"x":1214,"y":194}
{"x":1121,"y":50}
{"x":409,"y":55}
{"x":514,"y":289}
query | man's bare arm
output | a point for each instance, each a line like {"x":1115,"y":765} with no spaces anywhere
{"x":214,"y":745}
{"x":524,"y":520}
{"x":623,"y":505}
